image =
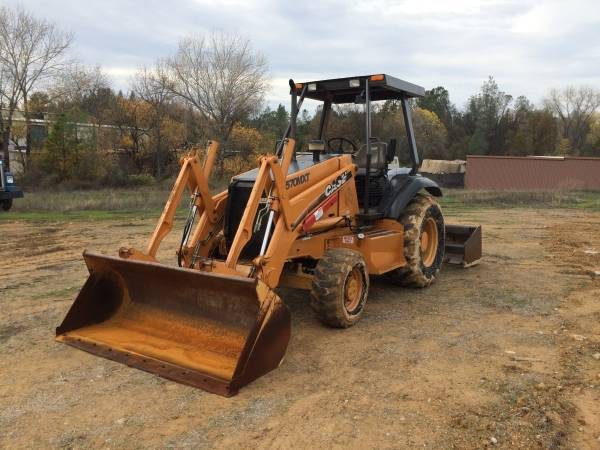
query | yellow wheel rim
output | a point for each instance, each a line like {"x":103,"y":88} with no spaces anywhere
{"x":429,"y":242}
{"x":353,"y":290}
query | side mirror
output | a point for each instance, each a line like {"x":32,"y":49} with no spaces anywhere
{"x":391,"y":151}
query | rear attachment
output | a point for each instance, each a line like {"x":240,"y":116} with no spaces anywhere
{"x":463,"y":245}
{"x":215,"y":332}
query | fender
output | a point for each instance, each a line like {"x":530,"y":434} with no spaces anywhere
{"x":403,"y":188}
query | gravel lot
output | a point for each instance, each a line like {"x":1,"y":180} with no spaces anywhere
{"x":505,"y":354}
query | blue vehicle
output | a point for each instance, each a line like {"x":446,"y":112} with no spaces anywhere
{"x":8,"y":189}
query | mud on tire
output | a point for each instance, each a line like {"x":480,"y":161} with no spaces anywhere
{"x":340,"y":287}
{"x":422,"y":266}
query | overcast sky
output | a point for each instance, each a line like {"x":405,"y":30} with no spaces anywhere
{"x":528,"y":46}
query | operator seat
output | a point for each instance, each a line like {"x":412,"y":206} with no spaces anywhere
{"x":379,"y":158}
{"x":377,"y":175}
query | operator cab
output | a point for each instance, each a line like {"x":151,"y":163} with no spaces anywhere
{"x":373,"y":155}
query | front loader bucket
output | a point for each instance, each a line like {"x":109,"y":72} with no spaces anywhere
{"x":463,"y":244}
{"x":215,"y":332}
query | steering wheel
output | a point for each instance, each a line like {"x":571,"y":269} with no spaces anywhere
{"x":340,"y":147}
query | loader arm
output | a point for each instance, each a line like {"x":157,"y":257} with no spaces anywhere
{"x":288,"y":207}
{"x":270,"y":178}
{"x":194,"y":175}
{"x":292,"y":214}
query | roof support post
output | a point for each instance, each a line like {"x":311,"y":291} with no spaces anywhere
{"x":293,"y":114}
{"x":294,"y":121}
{"x":324,"y":117}
{"x":290,"y":131}
{"x":368,"y":143}
{"x":410,"y":135}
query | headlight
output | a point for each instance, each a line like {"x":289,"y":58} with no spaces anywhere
{"x":10,"y":179}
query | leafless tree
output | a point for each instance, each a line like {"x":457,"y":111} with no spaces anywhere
{"x":10,"y":94}
{"x":154,"y":86}
{"x":31,"y":51}
{"x":77,"y":82}
{"x":219,"y":75}
{"x":87,"y":88}
{"x":9,"y":99}
{"x":574,"y":107}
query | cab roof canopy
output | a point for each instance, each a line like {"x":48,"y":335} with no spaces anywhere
{"x":345,"y":90}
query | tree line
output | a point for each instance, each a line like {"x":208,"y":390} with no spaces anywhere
{"x":213,"y":86}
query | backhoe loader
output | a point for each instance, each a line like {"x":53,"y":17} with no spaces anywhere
{"x":322,"y":220}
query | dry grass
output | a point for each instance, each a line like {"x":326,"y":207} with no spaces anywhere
{"x":146,"y":198}
{"x":149,"y":201}
{"x":460,"y":198}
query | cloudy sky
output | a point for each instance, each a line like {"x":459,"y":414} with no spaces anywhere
{"x":528,"y":46}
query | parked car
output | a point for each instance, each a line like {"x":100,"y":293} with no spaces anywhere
{"x":8,"y":189}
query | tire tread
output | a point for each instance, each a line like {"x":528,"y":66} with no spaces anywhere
{"x":328,"y":285}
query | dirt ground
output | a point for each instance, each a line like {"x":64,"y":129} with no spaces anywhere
{"x":504,"y":354}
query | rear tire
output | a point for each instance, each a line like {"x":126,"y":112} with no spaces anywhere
{"x":7,"y":204}
{"x":424,"y":240}
{"x":340,"y":287}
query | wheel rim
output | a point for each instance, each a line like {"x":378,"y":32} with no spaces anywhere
{"x":353,"y":290}
{"x":429,"y":241}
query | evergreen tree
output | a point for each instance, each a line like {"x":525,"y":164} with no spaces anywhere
{"x":61,"y":149}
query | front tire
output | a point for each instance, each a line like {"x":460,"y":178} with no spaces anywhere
{"x":424,"y":240}
{"x":7,"y":204}
{"x":340,"y":287}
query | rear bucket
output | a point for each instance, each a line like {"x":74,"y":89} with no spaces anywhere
{"x":215,"y":332}
{"x":463,"y":244}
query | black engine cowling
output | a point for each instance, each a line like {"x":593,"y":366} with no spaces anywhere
{"x":239,"y":193}
{"x":377,"y":186}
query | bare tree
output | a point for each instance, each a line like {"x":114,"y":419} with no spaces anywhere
{"x":31,"y":51}
{"x":575,"y":108}
{"x":10,"y":95}
{"x":153,"y":84}
{"x":84,"y":89}
{"x":131,"y":117}
{"x":77,"y":81}
{"x":154,"y":87}
{"x":221,"y":76}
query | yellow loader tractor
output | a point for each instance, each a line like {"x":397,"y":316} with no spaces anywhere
{"x":322,"y":220}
